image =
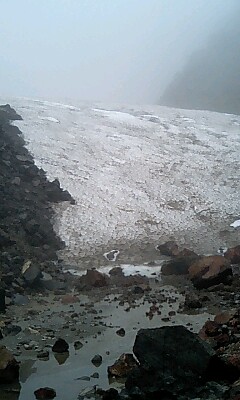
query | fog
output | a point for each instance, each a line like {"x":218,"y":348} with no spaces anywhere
{"x":104,"y":50}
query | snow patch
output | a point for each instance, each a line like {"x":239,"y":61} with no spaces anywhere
{"x":236,"y":223}
{"x":51,"y":119}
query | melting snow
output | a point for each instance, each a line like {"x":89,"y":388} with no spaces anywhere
{"x":236,"y":223}
{"x":139,"y":173}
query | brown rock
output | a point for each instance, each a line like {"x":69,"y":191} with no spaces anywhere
{"x":123,"y":366}
{"x":224,"y":317}
{"x":93,"y":278}
{"x":169,"y":248}
{"x":233,"y":255}
{"x":9,"y":367}
{"x":209,"y":271}
{"x":69,"y":299}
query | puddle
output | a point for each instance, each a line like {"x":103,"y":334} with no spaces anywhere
{"x":110,"y":316}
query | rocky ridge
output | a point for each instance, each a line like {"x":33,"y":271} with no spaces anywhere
{"x":27,"y":238}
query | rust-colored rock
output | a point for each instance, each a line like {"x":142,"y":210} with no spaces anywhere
{"x":233,"y":255}
{"x":9,"y":367}
{"x":92,"y":278}
{"x":69,"y":299}
{"x":123,"y":366}
{"x":209,"y":271}
{"x":224,"y":317}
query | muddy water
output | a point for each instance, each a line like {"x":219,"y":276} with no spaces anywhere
{"x":98,"y":335}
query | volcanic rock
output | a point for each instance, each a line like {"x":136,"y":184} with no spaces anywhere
{"x":125,"y":364}
{"x":45,"y":393}
{"x":9,"y":367}
{"x":91,"y":279}
{"x":233,"y":255}
{"x":60,"y":346}
{"x":209,"y":271}
{"x":171,"y":358}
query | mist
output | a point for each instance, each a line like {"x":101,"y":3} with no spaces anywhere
{"x":121,"y":50}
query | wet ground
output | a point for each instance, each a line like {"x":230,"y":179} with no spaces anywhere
{"x":93,"y":323}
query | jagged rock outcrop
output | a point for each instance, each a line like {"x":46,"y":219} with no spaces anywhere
{"x":26,"y":214}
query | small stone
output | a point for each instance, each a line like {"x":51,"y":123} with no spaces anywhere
{"x":45,"y":393}
{"x":121,"y":332}
{"x":97,"y":360}
{"x":60,"y":346}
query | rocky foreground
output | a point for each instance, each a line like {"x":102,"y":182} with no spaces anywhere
{"x":185,"y":324}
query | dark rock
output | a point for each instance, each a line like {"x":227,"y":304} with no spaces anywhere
{"x":178,"y":265}
{"x":116,"y":271}
{"x":2,"y":301}
{"x":121,"y":332}
{"x":9,"y":367}
{"x":110,"y":394}
{"x":60,"y":346}
{"x":45,"y":393}
{"x":69,"y":299}
{"x":12,"y":330}
{"x":44,"y":355}
{"x":169,"y":248}
{"x":171,"y":358}
{"x":97,"y":360}
{"x":209,"y":271}
{"x":125,"y":364}
{"x":233,"y":255}
{"x":192,"y":301}
{"x":78,"y":345}
{"x":31,"y":272}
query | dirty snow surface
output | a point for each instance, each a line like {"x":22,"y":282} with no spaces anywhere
{"x":139,"y":175}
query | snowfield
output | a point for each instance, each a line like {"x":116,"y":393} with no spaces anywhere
{"x":139,"y":174}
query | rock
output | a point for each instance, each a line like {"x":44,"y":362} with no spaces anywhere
{"x":225,"y":317}
{"x":233,"y":255}
{"x":209,"y":271}
{"x":93,"y":278}
{"x":60,"y":346}
{"x":110,"y":394}
{"x":69,"y":299}
{"x":171,"y":358}
{"x":45,"y":393}
{"x":97,"y":360}
{"x":31,"y":272}
{"x":116,"y":271}
{"x":169,"y":248}
{"x":44,"y":355}
{"x":77,"y":345}
{"x":192,"y":301}
{"x":121,"y":332}
{"x":121,"y":368}
{"x":2,"y":301}
{"x":9,"y":367}
{"x":12,"y":330}
{"x":178,"y":265}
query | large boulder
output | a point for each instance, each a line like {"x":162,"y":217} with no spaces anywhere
{"x":31,"y":272}
{"x":171,"y":359}
{"x":9,"y":367}
{"x":233,"y":255}
{"x":169,"y":248}
{"x":178,"y":265}
{"x":209,"y":271}
{"x":92,"y":278}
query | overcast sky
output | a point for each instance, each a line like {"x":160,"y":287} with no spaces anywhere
{"x":107,"y":50}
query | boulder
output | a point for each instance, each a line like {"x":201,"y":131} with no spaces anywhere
{"x":92,"y":278}
{"x":9,"y":367}
{"x":178,"y":265}
{"x":31,"y":272}
{"x":169,"y":248}
{"x":209,"y":271}
{"x":60,"y":346}
{"x":233,"y":255}
{"x":171,"y":358}
{"x":45,"y":393}
{"x":123,"y":366}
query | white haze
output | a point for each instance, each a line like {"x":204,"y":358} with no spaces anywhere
{"x":107,"y":50}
